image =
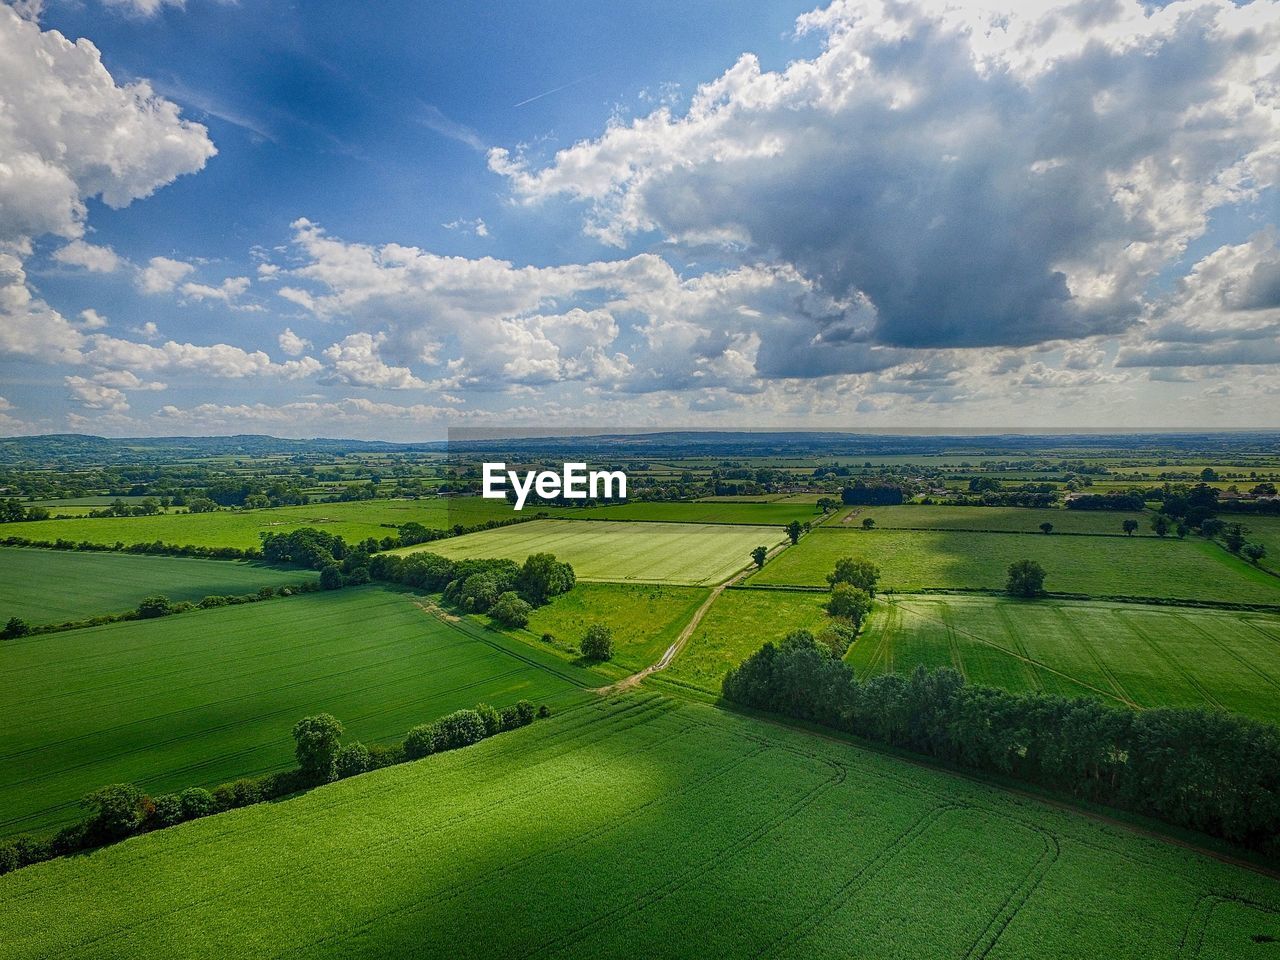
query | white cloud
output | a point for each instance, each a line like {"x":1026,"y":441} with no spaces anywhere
{"x":163,"y":274}
{"x":142,"y":8}
{"x":227,"y":291}
{"x":96,"y":396}
{"x":292,"y":344}
{"x":476,"y":226}
{"x":220,"y":360}
{"x":355,"y":361}
{"x":94,"y":258}
{"x":91,"y":319}
{"x":29,"y":327}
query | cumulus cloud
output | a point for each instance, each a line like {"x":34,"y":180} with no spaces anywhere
{"x":142,"y":8}
{"x":292,"y":344}
{"x":91,"y":319}
{"x":355,"y":361}
{"x":163,"y":274}
{"x":220,"y":360}
{"x":228,"y":291}
{"x":97,"y":396}
{"x":92,"y":257}
{"x":968,"y":173}
{"x":29,"y":327}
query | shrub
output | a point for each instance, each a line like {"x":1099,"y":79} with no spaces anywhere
{"x":1026,"y":579}
{"x":420,"y":741}
{"x":543,"y":712}
{"x":115,"y":811}
{"x":196,"y":802}
{"x":386,"y":755}
{"x":490,"y":717}
{"x":167,"y":811}
{"x":330,"y":577}
{"x":850,"y":603}
{"x":241,"y":793}
{"x":316,"y":746}
{"x":8,"y":857}
{"x":525,"y":712}
{"x":510,"y":611}
{"x":352,"y":759}
{"x":837,"y":638}
{"x":16,"y":627}
{"x":459,"y":729}
{"x":543,"y":577}
{"x":152,"y":607}
{"x":597,"y":645}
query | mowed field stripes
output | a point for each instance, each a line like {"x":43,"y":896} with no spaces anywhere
{"x":210,"y":696}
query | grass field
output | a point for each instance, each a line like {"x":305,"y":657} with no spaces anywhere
{"x":680,"y":553}
{"x":736,"y":626}
{"x":52,"y":586}
{"x":1013,"y":519}
{"x":703,"y":511}
{"x":1190,"y":569}
{"x":1141,"y":656}
{"x":354,"y":521}
{"x":640,"y":808}
{"x":210,"y":696}
{"x":645,"y":618}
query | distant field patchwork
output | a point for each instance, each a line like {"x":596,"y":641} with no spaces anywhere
{"x":1144,"y":656}
{"x":680,"y":553}
{"x":720,"y":511}
{"x":1190,"y":569}
{"x":655,"y":815}
{"x":209,"y":696}
{"x":53,"y":586}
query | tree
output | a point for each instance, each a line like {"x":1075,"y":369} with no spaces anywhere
{"x":854,"y":570}
{"x":352,"y":759}
{"x":152,"y":607}
{"x":510,"y":611}
{"x":330,"y":577}
{"x":1161,"y":525}
{"x":543,"y":577}
{"x":1182,"y":530}
{"x":1026,"y":579}
{"x":1046,"y":527}
{"x":115,"y":811}
{"x":316,"y":746}
{"x":1233,"y":537}
{"x":850,"y":603}
{"x":16,"y":627}
{"x":196,"y":802}
{"x":868,"y":523}
{"x":759,"y":555}
{"x":597,"y":645}
{"x":1254,"y":552}
{"x":794,"y":529}
{"x":1130,"y":526}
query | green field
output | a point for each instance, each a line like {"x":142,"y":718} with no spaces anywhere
{"x":645,"y":618}
{"x":1191,"y":569}
{"x":355,"y":521}
{"x":1128,"y":653}
{"x":53,"y":586}
{"x":681,"y":553}
{"x":209,"y":696}
{"x":617,"y":829}
{"x":703,"y":512}
{"x":736,"y":626}
{"x":1013,"y":519}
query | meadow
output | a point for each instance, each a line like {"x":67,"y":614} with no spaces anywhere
{"x":1142,"y":656}
{"x":645,"y":619}
{"x":702,"y":511}
{"x":1011,"y":519}
{"x":832,"y":852}
{"x":353,"y":520}
{"x":205,"y":697}
{"x":678,"y":553}
{"x":1191,"y":569}
{"x":53,"y":586}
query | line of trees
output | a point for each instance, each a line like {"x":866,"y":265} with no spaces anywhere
{"x":480,"y":585}
{"x":121,"y":810}
{"x":1201,"y":769}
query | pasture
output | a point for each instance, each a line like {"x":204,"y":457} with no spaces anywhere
{"x":645,"y":618}
{"x":832,"y":851}
{"x":205,"y":697}
{"x":736,"y":626}
{"x":1143,"y":656}
{"x":679,"y":553}
{"x":701,"y":511}
{"x":1010,"y":519}
{"x":54,"y":586}
{"x":1190,"y":569}
{"x":354,"y":521}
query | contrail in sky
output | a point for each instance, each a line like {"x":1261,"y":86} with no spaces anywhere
{"x":547,"y":93}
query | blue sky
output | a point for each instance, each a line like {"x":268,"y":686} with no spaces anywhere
{"x":304,"y":220}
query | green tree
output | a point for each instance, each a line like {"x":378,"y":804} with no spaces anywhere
{"x":115,"y":811}
{"x":152,"y":607}
{"x":331,"y":577}
{"x":1130,"y":526}
{"x":1254,"y":552}
{"x":759,"y":555}
{"x":794,"y":529}
{"x":1161,"y":525}
{"x":510,"y":611}
{"x":316,"y":746}
{"x":16,"y":627}
{"x":1233,"y":536}
{"x":868,"y":523}
{"x":1026,"y":579}
{"x":543,"y":577}
{"x":855,"y":570}
{"x":1046,"y":527}
{"x":351,"y":760}
{"x":196,"y":802}
{"x":597,"y":645}
{"x":850,"y":603}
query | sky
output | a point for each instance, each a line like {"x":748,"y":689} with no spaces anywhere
{"x":381,"y":222}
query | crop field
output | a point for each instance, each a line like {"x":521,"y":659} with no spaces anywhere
{"x":1190,"y":569}
{"x":1128,"y":653}
{"x":53,"y":586}
{"x":1012,"y":519}
{"x":205,"y":697}
{"x":831,"y":852}
{"x":680,"y":553}
{"x":703,"y":512}
{"x":645,"y":618}
{"x":355,"y":521}
{"x":736,"y":626}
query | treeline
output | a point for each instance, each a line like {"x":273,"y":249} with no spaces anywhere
{"x":12,"y":511}
{"x":861,"y":493}
{"x":121,"y":810}
{"x":1205,"y":770}
{"x":154,"y":548}
{"x":1130,"y":502}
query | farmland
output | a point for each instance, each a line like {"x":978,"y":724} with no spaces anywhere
{"x":1011,"y":519}
{"x":458,"y":849}
{"x":1128,"y":653}
{"x":1190,"y":569}
{"x":211,"y":695}
{"x":33,"y":583}
{"x":703,"y":512}
{"x":678,"y":553}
